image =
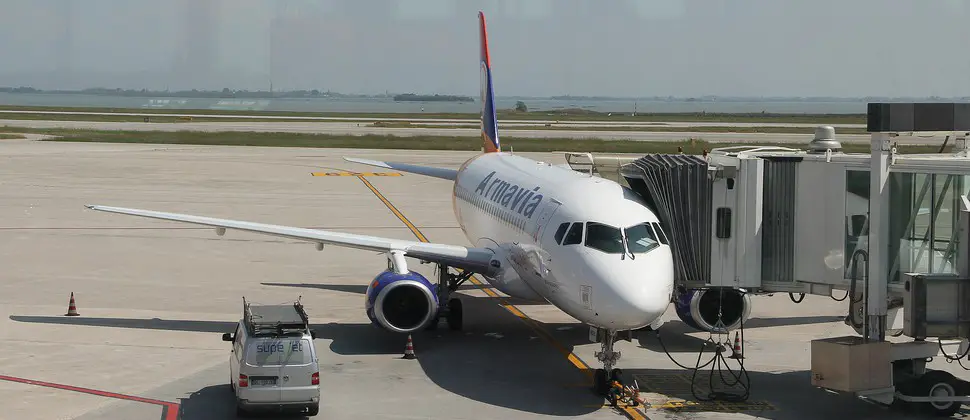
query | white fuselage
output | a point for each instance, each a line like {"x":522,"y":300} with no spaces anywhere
{"x":515,"y":206}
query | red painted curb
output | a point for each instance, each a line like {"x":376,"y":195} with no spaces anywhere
{"x":170,"y":410}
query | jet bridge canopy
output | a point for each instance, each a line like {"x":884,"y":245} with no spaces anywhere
{"x":677,"y":188}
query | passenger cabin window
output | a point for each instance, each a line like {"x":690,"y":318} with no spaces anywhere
{"x":561,"y":232}
{"x":575,"y":235}
{"x":640,"y":238}
{"x":604,"y":238}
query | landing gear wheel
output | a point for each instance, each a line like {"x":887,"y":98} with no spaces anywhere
{"x":937,"y":383}
{"x":615,"y":375}
{"x":454,"y":314}
{"x":601,"y":384}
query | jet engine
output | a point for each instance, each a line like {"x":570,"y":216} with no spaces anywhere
{"x":401,"y":302}
{"x":699,"y":308}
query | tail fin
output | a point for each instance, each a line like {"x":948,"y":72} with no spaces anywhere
{"x":489,"y":120}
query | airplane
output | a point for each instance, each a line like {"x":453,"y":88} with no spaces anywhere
{"x":541,"y":232}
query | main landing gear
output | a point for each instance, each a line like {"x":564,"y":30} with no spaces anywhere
{"x":448,"y":283}
{"x":603,"y":378}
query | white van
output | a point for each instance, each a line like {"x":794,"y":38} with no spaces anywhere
{"x":273,"y":362}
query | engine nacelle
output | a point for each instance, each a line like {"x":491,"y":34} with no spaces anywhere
{"x":699,"y":308}
{"x":401,"y":302}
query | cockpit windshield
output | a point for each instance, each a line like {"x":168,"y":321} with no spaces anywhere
{"x":604,"y":238}
{"x":641,"y":238}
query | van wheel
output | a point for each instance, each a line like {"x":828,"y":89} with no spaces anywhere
{"x":313,"y":410}
{"x":241,"y":411}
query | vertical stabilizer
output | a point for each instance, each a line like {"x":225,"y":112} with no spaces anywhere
{"x":489,"y":120}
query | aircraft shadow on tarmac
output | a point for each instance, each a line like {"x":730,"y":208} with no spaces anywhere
{"x":674,"y":339}
{"x":495,"y":359}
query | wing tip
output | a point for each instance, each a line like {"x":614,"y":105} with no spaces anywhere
{"x":370,"y":162}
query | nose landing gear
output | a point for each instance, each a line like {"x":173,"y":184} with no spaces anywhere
{"x":603,"y":378}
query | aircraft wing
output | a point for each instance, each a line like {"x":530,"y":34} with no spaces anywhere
{"x":443,"y":173}
{"x":471,"y":259}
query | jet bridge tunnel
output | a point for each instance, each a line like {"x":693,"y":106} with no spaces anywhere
{"x":889,"y":229}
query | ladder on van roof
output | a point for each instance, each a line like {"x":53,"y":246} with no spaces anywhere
{"x":275,"y":320}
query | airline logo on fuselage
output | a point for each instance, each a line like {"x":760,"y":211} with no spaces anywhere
{"x":513,"y":197}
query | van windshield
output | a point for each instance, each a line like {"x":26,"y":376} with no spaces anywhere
{"x":278,"y":352}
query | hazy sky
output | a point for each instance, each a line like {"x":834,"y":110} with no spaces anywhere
{"x":539,"y":47}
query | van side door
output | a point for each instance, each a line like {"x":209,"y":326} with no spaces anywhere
{"x":235,"y":354}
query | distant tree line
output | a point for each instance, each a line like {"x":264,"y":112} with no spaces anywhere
{"x":411,"y":97}
{"x":194,"y":93}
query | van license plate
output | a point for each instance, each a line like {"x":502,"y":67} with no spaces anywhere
{"x":263,"y":381}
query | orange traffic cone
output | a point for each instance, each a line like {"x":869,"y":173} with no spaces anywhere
{"x":71,"y":308}
{"x":409,"y":350}
{"x":737,"y":354}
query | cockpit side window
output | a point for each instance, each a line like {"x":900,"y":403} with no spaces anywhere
{"x":575,"y":234}
{"x":604,"y":238}
{"x":561,"y":232}
{"x":660,"y":233}
{"x":640,"y":238}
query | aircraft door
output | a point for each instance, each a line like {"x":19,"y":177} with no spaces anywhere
{"x":544,"y":217}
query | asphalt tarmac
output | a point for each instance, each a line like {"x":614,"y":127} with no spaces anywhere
{"x":154,"y":298}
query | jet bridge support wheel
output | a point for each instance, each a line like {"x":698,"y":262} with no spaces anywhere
{"x":938,"y":383}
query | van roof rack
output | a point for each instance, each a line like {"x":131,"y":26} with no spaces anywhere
{"x":275,"y":320}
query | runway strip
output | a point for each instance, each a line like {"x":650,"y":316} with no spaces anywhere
{"x":170,"y":410}
{"x":356,"y":129}
{"x":630,"y":412}
{"x":445,"y":121}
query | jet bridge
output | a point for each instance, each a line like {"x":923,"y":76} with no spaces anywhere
{"x":891,"y":230}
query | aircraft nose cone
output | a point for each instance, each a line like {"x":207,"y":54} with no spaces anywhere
{"x":641,"y":289}
{"x":645,"y":297}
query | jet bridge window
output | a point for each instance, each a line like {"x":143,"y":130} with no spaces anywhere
{"x":561,"y":232}
{"x":575,"y":235}
{"x":604,"y":238}
{"x":640,"y":238}
{"x":723,"y":226}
